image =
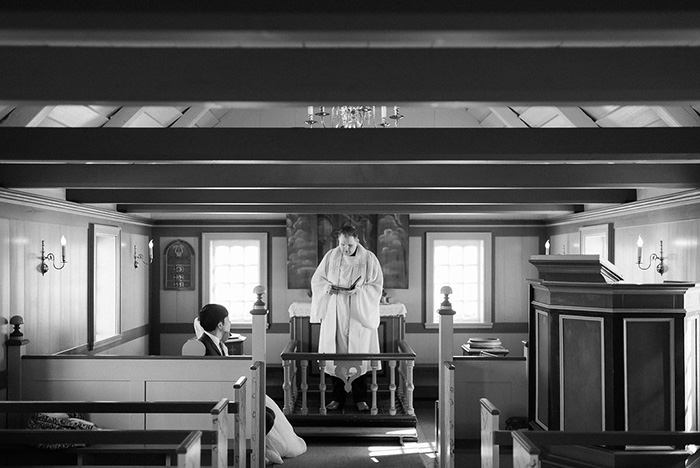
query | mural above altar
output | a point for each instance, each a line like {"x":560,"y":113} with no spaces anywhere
{"x":310,"y":236}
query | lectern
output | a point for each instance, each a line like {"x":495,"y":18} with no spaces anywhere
{"x":604,"y":354}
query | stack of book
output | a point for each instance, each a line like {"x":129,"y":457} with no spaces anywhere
{"x":484,"y":347}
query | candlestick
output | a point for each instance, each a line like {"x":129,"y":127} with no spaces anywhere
{"x":311,"y":110}
{"x":63,"y":248}
{"x":640,"y":244}
{"x":546,"y":247}
{"x":383,"y":112}
{"x":150,"y":250}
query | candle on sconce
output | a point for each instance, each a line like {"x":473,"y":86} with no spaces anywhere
{"x":383,"y":112}
{"x":150,"y":250}
{"x":546,"y":247}
{"x":640,"y":244}
{"x":396,"y":110}
{"x":63,"y":248}
{"x":311,"y":110}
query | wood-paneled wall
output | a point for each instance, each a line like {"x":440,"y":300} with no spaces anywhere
{"x":677,"y":226}
{"x":513,"y":247}
{"x":55,"y":305}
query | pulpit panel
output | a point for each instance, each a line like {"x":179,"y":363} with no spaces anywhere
{"x":582,"y":374}
{"x":649,"y":375}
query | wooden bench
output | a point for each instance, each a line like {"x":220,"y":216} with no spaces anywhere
{"x":491,"y":437}
{"x":639,"y":449}
{"x":217,"y":438}
{"x":186,"y":445}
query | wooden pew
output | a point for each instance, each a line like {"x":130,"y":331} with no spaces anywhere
{"x":641,"y":449}
{"x":491,"y":437}
{"x":187,"y":444}
{"x":217,"y":438}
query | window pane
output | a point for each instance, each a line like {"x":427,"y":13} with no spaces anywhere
{"x":441,"y":255}
{"x":236,"y":268}
{"x":251,"y":255}
{"x":471,"y":255}
{"x":459,"y":260}
{"x":221,"y":255}
{"x":471,"y":274}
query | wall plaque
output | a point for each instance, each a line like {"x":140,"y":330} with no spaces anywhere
{"x":179,"y":266}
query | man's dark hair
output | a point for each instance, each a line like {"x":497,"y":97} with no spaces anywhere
{"x":210,"y":315}
{"x":348,"y":230}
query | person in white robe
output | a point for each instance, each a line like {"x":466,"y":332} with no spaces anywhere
{"x":349,"y":317}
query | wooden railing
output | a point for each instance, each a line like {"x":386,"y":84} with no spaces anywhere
{"x":400,"y":365}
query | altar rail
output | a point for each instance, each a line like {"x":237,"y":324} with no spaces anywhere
{"x":294,"y":361}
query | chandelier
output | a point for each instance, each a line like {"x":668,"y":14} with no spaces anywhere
{"x":353,"y":117}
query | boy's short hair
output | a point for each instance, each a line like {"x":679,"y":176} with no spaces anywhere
{"x":348,"y":230}
{"x":210,"y":315}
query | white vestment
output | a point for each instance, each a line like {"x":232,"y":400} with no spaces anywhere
{"x":348,"y":323}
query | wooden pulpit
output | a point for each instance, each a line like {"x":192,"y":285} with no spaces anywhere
{"x":605,"y":354}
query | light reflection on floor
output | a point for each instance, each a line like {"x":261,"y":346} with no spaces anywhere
{"x":425,"y":448}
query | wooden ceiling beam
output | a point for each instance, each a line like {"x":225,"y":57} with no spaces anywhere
{"x":405,"y":145}
{"x":675,"y":176}
{"x":345,"y":208}
{"x":352,"y":196}
{"x":186,"y":76}
{"x":230,"y":24}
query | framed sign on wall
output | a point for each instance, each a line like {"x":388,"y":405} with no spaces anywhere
{"x":180,"y":272}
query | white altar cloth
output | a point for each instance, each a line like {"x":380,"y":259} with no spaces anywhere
{"x":303,"y":309}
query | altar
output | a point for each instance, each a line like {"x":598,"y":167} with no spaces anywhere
{"x":392,"y":326}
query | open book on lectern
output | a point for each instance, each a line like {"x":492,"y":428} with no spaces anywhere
{"x":349,"y":288}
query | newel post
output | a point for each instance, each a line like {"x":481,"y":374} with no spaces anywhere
{"x":259,"y":314}
{"x":16,"y":348}
{"x":446,"y":331}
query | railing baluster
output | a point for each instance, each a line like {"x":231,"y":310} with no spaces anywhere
{"x":409,"y":388}
{"x":304,"y":386}
{"x":322,"y":386}
{"x":287,"y":386}
{"x":374,"y":387}
{"x":392,"y":387}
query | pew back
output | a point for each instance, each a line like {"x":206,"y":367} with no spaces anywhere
{"x":502,"y":380}
{"x":134,"y":378}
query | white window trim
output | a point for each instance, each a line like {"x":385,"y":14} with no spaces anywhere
{"x":600,"y":230}
{"x":207,"y":237}
{"x":486,"y":237}
{"x":99,"y":230}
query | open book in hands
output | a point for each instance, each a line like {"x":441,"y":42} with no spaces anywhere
{"x":349,"y":288}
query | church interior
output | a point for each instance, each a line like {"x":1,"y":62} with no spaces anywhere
{"x":528,"y":175}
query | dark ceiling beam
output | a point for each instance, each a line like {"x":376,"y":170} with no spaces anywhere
{"x":352,"y":196}
{"x":423,"y":208}
{"x":515,"y":76}
{"x":628,"y":176}
{"x":227,"y":24}
{"x":280,"y":145}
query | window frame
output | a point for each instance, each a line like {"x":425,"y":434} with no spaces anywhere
{"x":114,"y":232}
{"x":602,"y":231}
{"x":487,"y":276}
{"x":207,"y":238}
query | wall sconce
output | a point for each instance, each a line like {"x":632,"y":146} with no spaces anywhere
{"x":138,"y":256}
{"x":660,"y":267}
{"x":50,"y":256}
